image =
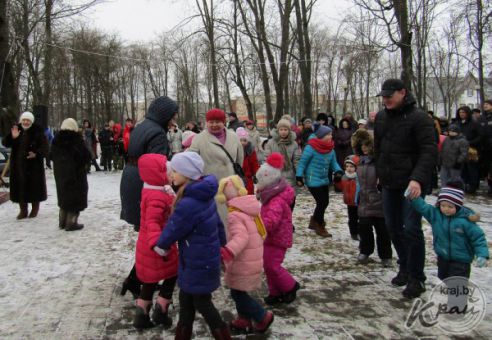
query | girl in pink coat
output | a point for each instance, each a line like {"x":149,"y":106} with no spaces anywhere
{"x":243,"y":254}
{"x":276,"y":196}
{"x":156,"y":202}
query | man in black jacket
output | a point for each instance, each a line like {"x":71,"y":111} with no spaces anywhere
{"x":405,"y":152}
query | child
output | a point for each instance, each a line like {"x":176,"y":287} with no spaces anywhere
{"x":370,"y":203}
{"x":70,"y":156}
{"x":317,"y":160}
{"x":250,"y":162}
{"x":243,"y":254}
{"x":197,"y":227}
{"x":156,"y":202}
{"x":457,"y":238}
{"x":453,"y":155}
{"x":276,"y":196}
{"x":350,"y":188}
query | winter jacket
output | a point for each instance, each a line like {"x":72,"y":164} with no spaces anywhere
{"x":276,"y":213}
{"x":471,"y":130}
{"x":175,"y":138}
{"x":90,"y":141}
{"x":244,"y":241}
{"x":293,"y":151}
{"x":250,"y":167}
{"x":454,"y":151}
{"x":155,"y":208}
{"x":455,"y":238}
{"x":199,"y":231}
{"x":126,"y":137}
{"x":70,"y":156}
{"x":405,"y":148}
{"x":147,"y":137}
{"x":305,"y":134}
{"x":349,"y":188}
{"x":215,"y":159}
{"x":27,"y":178}
{"x":369,"y":198}
{"x":314,"y":166}
{"x":342,"y":139}
{"x":486,"y":127}
{"x":106,"y":139}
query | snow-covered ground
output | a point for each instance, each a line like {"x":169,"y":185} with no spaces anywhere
{"x":65,"y":285}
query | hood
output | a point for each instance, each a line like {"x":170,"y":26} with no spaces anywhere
{"x":340,"y":124}
{"x":161,"y":110}
{"x":203,"y":189}
{"x":360,"y":137}
{"x":66,"y":139}
{"x":153,"y":169}
{"x":247,"y":204}
{"x":117,"y":129}
{"x":276,"y":137}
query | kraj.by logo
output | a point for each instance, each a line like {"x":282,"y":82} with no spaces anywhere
{"x":456,"y":306}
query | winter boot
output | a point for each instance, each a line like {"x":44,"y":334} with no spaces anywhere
{"x":312,"y":223}
{"x":272,"y":300}
{"x":62,"y":219}
{"x":160,"y":315}
{"x":142,"y":318}
{"x":263,"y":325}
{"x":72,"y":223}
{"x":241,"y":325}
{"x":183,"y":332}
{"x":221,"y":333}
{"x":320,"y":229}
{"x":363,"y":258}
{"x":413,"y":289}
{"x":132,"y":284}
{"x":34,"y":210}
{"x":400,"y":279}
{"x":291,"y":295}
{"x":23,"y":211}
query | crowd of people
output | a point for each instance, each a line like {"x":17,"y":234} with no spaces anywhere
{"x":223,"y":197}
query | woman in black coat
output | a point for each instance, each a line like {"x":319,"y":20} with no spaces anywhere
{"x":343,"y":138}
{"x":70,"y":156}
{"x":27,"y":179}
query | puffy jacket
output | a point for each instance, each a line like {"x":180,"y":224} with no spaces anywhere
{"x":454,"y":151}
{"x":315,"y":166}
{"x":369,"y":199}
{"x":244,"y":241}
{"x":455,"y":238}
{"x":196,"y":225}
{"x":293,"y":153}
{"x":277,"y":216}
{"x":405,"y":147}
{"x":349,"y":188}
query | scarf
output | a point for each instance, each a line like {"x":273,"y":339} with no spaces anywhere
{"x":221,"y":135}
{"x":268,"y":192}
{"x":321,"y":146}
{"x":283,"y":144}
{"x":260,"y":226}
{"x":350,"y":176}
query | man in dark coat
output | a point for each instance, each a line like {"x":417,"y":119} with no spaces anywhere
{"x":150,"y":136}
{"x":27,"y":179}
{"x":70,"y":156}
{"x":405,"y":152}
{"x":107,"y":145}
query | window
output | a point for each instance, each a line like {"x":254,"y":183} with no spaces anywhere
{"x":469,"y":92}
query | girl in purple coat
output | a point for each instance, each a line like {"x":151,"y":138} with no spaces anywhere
{"x":276,"y":196}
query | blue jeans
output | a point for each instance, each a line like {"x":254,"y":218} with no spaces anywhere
{"x":405,"y":228}
{"x":246,"y":306}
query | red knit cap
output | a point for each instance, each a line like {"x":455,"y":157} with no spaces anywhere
{"x":215,"y":114}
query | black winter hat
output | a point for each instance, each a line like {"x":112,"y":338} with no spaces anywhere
{"x":454,"y":128}
{"x":390,"y":86}
{"x":161,"y":110}
{"x":233,"y":114}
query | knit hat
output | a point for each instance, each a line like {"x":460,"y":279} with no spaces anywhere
{"x":322,"y":131}
{"x":187,"y":138}
{"x":188,"y":163}
{"x":362,"y":121}
{"x":284,"y":123}
{"x":215,"y":114}
{"x":454,"y":128}
{"x":307,"y":120}
{"x":242,"y":133}
{"x":26,"y":115}
{"x":70,"y":124}
{"x":352,"y":159}
{"x":230,"y":187}
{"x":451,"y":195}
{"x":270,"y":171}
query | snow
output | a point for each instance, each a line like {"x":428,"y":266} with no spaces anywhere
{"x":65,"y":285}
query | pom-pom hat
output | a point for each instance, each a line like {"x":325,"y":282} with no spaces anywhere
{"x":352,"y":159}
{"x":271,"y":171}
{"x":451,"y":195}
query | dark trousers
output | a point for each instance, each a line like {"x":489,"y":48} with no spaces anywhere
{"x":353,"y":220}
{"x":246,"y":306}
{"x":106,"y":157}
{"x":321,"y":196}
{"x":383,"y":240}
{"x":190,"y":303}
{"x":446,"y":269}
{"x":405,"y":228}
{"x":471,"y":176}
{"x":166,"y":290}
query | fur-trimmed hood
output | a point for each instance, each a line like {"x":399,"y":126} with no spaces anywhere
{"x":362,"y":137}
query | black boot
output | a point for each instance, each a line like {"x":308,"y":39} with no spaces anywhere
{"x":23,"y":211}
{"x":413,"y":289}
{"x":222,"y":333}
{"x":183,"y":332}
{"x":62,"y":219}
{"x":142,"y":317}
{"x":72,"y":223}
{"x":400,"y":279}
{"x":34,"y":210}
{"x":131,"y":283}
{"x":160,"y":316}
{"x":291,"y":295}
{"x":272,"y":300}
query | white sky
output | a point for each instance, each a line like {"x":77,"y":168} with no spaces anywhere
{"x":138,"y":20}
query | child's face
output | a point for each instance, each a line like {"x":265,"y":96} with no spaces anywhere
{"x":448,"y":209}
{"x":365,"y":149}
{"x":243,"y":141}
{"x":349,"y":168}
{"x":177,"y":178}
{"x":327,"y":138}
{"x":283,"y":132}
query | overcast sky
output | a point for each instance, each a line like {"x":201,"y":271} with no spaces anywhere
{"x":145,"y":19}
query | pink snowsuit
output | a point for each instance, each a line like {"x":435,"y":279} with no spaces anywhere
{"x":277,"y":217}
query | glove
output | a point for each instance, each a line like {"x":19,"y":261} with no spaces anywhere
{"x":481,"y":262}
{"x":160,"y":251}
{"x":338,"y":176}
{"x":300,"y":181}
{"x":457,"y":166}
{"x":226,"y":255}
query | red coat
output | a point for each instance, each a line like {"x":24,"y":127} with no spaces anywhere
{"x":250,"y":167}
{"x":349,"y":188}
{"x":126,"y":137}
{"x":155,"y":208}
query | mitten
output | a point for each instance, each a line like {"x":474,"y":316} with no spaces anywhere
{"x":300,"y":181}
{"x":338,"y":176}
{"x":226,"y":255}
{"x":481,"y":262}
{"x":160,"y":251}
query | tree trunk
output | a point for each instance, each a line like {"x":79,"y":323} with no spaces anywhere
{"x":405,"y":43}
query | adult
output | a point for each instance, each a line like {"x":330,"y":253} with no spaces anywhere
{"x":486,"y":123}
{"x":476,"y":115}
{"x":343,"y":137}
{"x":234,"y":122}
{"x":405,"y":153}
{"x":91,"y":144}
{"x":129,"y":125}
{"x":107,"y":147}
{"x":118,"y":147}
{"x":471,"y":130}
{"x":192,"y":126}
{"x":212,"y":143}
{"x":437,"y":125}
{"x":352,"y":122}
{"x":150,"y":136}
{"x":307,"y":130}
{"x":362,"y":124}
{"x":371,"y":118}
{"x":175,"y":138}
{"x":27,"y":179}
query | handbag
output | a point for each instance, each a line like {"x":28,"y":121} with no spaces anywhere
{"x":238,"y":169}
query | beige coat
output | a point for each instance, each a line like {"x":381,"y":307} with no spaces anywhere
{"x":215,"y":159}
